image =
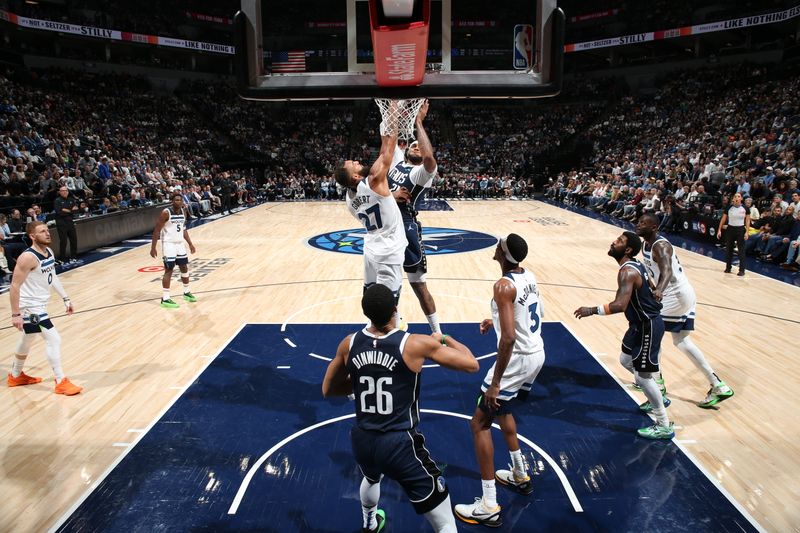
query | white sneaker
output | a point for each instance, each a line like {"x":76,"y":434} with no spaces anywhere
{"x":477,"y":513}
{"x":522,"y":484}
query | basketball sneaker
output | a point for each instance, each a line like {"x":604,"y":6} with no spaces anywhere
{"x":647,"y":407}
{"x":380,"y":516}
{"x":658,"y":432}
{"x":67,"y":388}
{"x":509,"y":478}
{"x":22,"y":379}
{"x":660,"y":382}
{"x":169,"y":304}
{"x":477,"y":513}
{"x":716,"y":394}
{"x":189,"y":297}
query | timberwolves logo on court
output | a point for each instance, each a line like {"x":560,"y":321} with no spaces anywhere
{"x":437,"y":241}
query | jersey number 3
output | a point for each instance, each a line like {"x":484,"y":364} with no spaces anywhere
{"x":373,"y":213}
{"x":383,"y":403}
{"x":534,"y":316}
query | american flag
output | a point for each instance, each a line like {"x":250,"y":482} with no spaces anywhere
{"x":292,"y":61}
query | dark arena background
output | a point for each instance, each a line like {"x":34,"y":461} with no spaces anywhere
{"x":561,"y":121}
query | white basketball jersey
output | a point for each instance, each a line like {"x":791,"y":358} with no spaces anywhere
{"x":679,"y":280}
{"x":527,"y":314}
{"x":173,"y":228}
{"x":35,"y":290}
{"x":385,"y":241}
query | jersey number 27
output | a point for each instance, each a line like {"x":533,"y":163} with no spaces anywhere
{"x":370,"y":215}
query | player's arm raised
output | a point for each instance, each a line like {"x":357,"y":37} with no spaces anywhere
{"x":162,"y":219}
{"x":337,"y":381}
{"x":425,"y":147}
{"x":378,"y":179}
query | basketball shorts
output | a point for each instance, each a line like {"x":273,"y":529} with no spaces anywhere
{"x":517,"y":380}
{"x":643,"y":343}
{"x":174,"y":254}
{"x":34,"y":319}
{"x":678,"y":310}
{"x":415,"y":262}
{"x":401,"y":456}
{"x":385,"y":274}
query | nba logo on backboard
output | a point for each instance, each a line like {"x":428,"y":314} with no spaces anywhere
{"x":523,"y":46}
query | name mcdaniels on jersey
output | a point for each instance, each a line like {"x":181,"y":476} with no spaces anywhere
{"x":358,"y":201}
{"x":375,"y":357}
{"x":527,"y":291}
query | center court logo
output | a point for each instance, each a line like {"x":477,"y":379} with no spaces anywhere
{"x":437,"y":241}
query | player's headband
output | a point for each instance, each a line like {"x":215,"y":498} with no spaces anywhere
{"x":508,"y":255}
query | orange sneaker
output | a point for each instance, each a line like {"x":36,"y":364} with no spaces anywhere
{"x":67,"y":388}
{"x":22,"y":379}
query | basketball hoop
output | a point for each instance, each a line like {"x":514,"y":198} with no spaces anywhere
{"x":399,"y":115}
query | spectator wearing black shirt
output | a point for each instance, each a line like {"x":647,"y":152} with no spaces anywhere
{"x":64,"y":206}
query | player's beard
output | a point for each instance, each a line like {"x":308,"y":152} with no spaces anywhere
{"x":415,"y":159}
{"x":616,"y":254}
{"x":363,"y":171}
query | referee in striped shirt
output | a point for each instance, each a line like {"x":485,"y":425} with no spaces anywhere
{"x":736,"y":223}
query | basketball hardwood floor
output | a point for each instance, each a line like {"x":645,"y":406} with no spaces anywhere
{"x":134,"y":357}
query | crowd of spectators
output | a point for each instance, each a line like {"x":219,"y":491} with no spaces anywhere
{"x":688,"y":148}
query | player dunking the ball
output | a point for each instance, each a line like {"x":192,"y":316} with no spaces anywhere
{"x":412,"y":174}
{"x":171,"y":229}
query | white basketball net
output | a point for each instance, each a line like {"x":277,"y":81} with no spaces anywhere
{"x":398,"y":116}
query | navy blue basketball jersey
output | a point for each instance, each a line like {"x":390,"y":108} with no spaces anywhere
{"x":642,"y":306}
{"x":400,"y":176}
{"x":386,"y":390}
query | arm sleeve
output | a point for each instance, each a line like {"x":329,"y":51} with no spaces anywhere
{"x":59,"y":288}
{"x":420,"y":176}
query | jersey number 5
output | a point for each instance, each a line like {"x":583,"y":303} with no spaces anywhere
{"x":383,"y":403}
{"x":373,"y":213}
{"x":534,"y":316}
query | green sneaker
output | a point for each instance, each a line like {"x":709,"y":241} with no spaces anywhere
{"x":648,"y":408}
{"x":189,"y":297}
{"x":658,"y":432}
{"x":380,"y":516}
{"x":716,"y":394}
{"x":660,"y":382}
{"x":169,"y":304}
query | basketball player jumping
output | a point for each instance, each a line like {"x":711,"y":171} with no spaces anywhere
{"x":411,"y":174}
{"x":516,"y":318}
{"x":370,"y":201}
{"x":34,"y":276}
{"x":641,"y":345}
{"x":171,"y":229}
{"x":676,"y":294}
{"x":381,"y":366}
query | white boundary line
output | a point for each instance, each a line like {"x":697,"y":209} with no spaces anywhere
{"x":133,"y":444}
{"x":237,"y":500}
{"x":288,"y":341}
{"x":678,"y":443}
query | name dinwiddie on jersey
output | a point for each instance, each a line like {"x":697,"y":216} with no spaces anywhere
{"x":527,"y":291}
{"x":358,"y":201}
{"x":375,"y":357}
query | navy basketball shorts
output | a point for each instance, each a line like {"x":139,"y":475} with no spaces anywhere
{"x":401,"y":456}
{"x":414,"y":261}
{"x":643,"y":343}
